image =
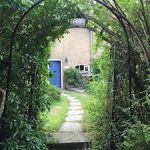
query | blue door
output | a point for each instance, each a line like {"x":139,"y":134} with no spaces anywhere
{"x":55,"y":69}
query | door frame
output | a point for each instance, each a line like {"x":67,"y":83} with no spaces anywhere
{"x":61,"y":70}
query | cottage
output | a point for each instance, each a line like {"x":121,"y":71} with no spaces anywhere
{"x":73,"y":50}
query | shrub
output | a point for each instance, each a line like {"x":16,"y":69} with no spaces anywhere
{"x":53,"y":93}
{"x":72,"y":77}
{"x":138,"y":137}
{"x":19,"y":131}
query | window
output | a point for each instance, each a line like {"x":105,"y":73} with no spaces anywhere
{"x":82,"y":68}
{"x":86,"y":68}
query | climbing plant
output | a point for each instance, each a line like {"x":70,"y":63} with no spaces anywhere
{"x":121,"y":95}
{"x":29,"y":85}
{"x":124,"y":26}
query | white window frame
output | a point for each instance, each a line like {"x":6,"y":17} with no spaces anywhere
{"x":84,"y":70}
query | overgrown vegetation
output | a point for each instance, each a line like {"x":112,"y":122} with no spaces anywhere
{"x":120,"y":106}
{"x":29,"y":92}
{"x":72,"y":77}
{"x":99,"y":106}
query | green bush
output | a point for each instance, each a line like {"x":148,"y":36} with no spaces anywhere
{"x":72,"y":77}
{"x":30,"y":92}
{"x":138,"y":137}
{"x":19,"y":131}
{"x":53,"y":93}
{"x":99,"y":106}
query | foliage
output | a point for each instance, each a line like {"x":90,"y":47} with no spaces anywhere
{"x":72,"y":76}
{"x":138,"y":137}
{"x":95,"y":67}
{"x":99,"y":106}
{"x":120,"y":100}
{"x":123,"y":26}
{"x":52,"y":93}
{"x":29,"y":87}
{"x":20,"y":133}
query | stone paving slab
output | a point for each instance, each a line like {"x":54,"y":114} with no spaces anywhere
{"x":69,"y":97}
{"x":75,"y":104}
{"x":73,"y":118}
{"x":75,"y":100}
{"x":70,"y":137}
{"x":64,"y":94}
{"x":69,"y":126}
{"x":75,"y":112}
{"x":72,"y":98}
{"x":75,"y":108}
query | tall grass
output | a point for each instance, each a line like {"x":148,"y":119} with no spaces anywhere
{"x":99,"y":107}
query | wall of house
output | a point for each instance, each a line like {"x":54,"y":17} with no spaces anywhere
{"x":74,"y":48}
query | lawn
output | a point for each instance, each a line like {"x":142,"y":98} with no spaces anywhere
{"x":54,"y":118}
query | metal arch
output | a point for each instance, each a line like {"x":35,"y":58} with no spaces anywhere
{"x":11,"y":46}
{"x":10,"y":58}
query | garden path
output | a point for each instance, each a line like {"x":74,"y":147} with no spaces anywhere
{"x":71,"y":130}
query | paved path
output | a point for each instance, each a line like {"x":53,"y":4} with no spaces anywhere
{"x":79,"y":90}
{"x":71,"y":130}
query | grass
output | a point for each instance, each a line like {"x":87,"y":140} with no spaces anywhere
{"x":54,"y":118}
